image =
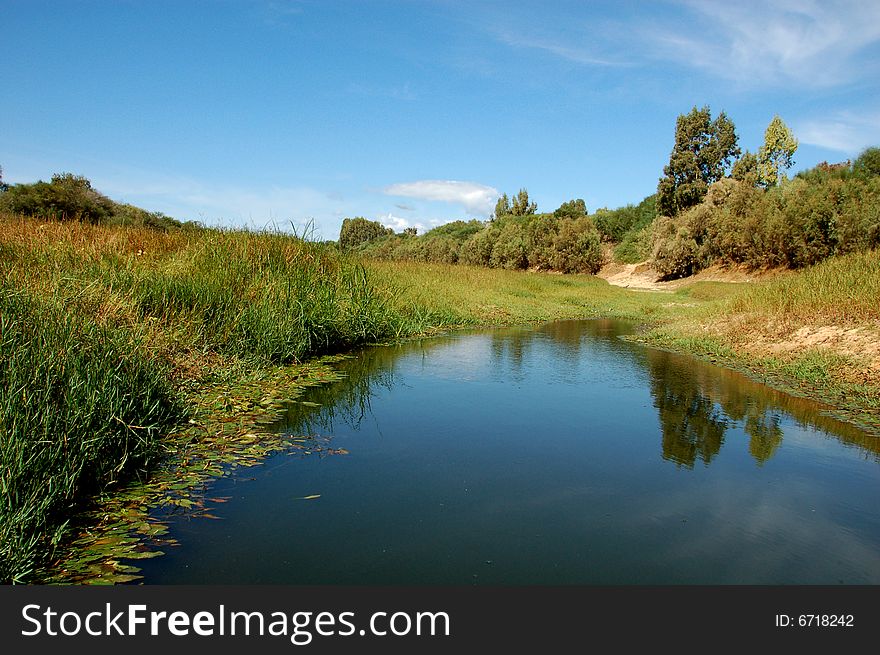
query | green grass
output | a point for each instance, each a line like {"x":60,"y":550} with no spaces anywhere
{"x":471,"y":295}
{"x":80,"y":407}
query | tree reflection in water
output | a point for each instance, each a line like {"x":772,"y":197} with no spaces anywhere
{"x":697,"y":403}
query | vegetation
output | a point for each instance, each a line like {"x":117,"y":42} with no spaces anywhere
{"x":70,"y":419}
{"x":703,"y":152}
{"x":72,"y":197}
{"x":519,"y":207}
{"x":867,"y":164}
{"x":826,"y":211}
{"x":571,"y":209}
{"x":358,"y":230}
{"x":775,"y":156}
{"x":566,"y":242}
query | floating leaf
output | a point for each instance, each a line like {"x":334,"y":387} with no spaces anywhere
{"x":312,"y":497}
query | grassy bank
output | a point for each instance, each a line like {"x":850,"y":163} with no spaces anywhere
{"x":815,"y":332}
{"x":473,"y":295}
{"x":124,"y":347}
{"x":107,"y":334}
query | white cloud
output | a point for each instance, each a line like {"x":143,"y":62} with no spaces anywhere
{"x":845,"y":131}
{"x":475,"y":198}
{"x":398,"y":224}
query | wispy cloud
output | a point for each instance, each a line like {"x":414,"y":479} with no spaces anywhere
{"x":476,"y":198}
{"x":573,"y":52}
{"x":406,"y":208}
{"x":803,"y":42}
{"x":278,"y":13}
{"x":844,"y":131}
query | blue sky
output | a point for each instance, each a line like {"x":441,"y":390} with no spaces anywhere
{"x":254,"y":113}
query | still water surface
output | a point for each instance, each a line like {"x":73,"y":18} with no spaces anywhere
{"x":559,"y":454}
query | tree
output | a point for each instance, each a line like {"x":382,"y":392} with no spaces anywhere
{"x":867,"y":163}
{"x":745,"y":169}
{"x":702,"y":155}
{"x":522,"y":206}
{"x":775,"y":156}
{"x":358,"y":230}
{"x":502,"y":207}
{"x":571,"y":209}
{"x":3,"y":185}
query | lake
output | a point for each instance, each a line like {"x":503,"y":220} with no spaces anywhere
{"x":557,"y":454}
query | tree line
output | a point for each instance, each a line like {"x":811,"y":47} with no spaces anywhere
{"x":516,"y":237}
{"x":715,"y":203}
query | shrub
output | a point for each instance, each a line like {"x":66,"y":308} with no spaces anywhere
{"x":510,"y":249}
{"x":571,"y":209}
{"x":358,"y":230}
{"x":460,"y":230}
{"x":577,"y":247}
{"x":635,"y":246}
{"x":674,"y":249}
{"x":477,"y":251}
{"x":867,"y":164}
{"x":66,"y":197}
{"x":613,"y":224}
{"x":540,"y":236}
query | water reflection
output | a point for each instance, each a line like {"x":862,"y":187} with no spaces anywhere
{"x":697,"y":403}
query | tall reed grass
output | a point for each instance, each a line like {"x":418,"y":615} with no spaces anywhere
{"x":81,"y":405}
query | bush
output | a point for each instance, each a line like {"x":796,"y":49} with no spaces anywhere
{"x":477,"y":251}
{"x":66,"y":197}
{"x":540,"y":236}
{"x":459,"y":230}
{"x":635,"y":246}
{"x":825,"y":211}
{"x":577,"y":247}
{"x":613,"y":224}
{"x":358,"y":230}
{"x":510,"y":249}
{"x":867,"y":164}
{"x":674,"y":249}
{"x":571,"y":209}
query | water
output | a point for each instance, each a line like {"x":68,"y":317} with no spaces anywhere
{"x":551,"y":455}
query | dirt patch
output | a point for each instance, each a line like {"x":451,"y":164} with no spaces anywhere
{"x":642,"y":276}
{"x":634,"y":276}
{"x":860,"y":343}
